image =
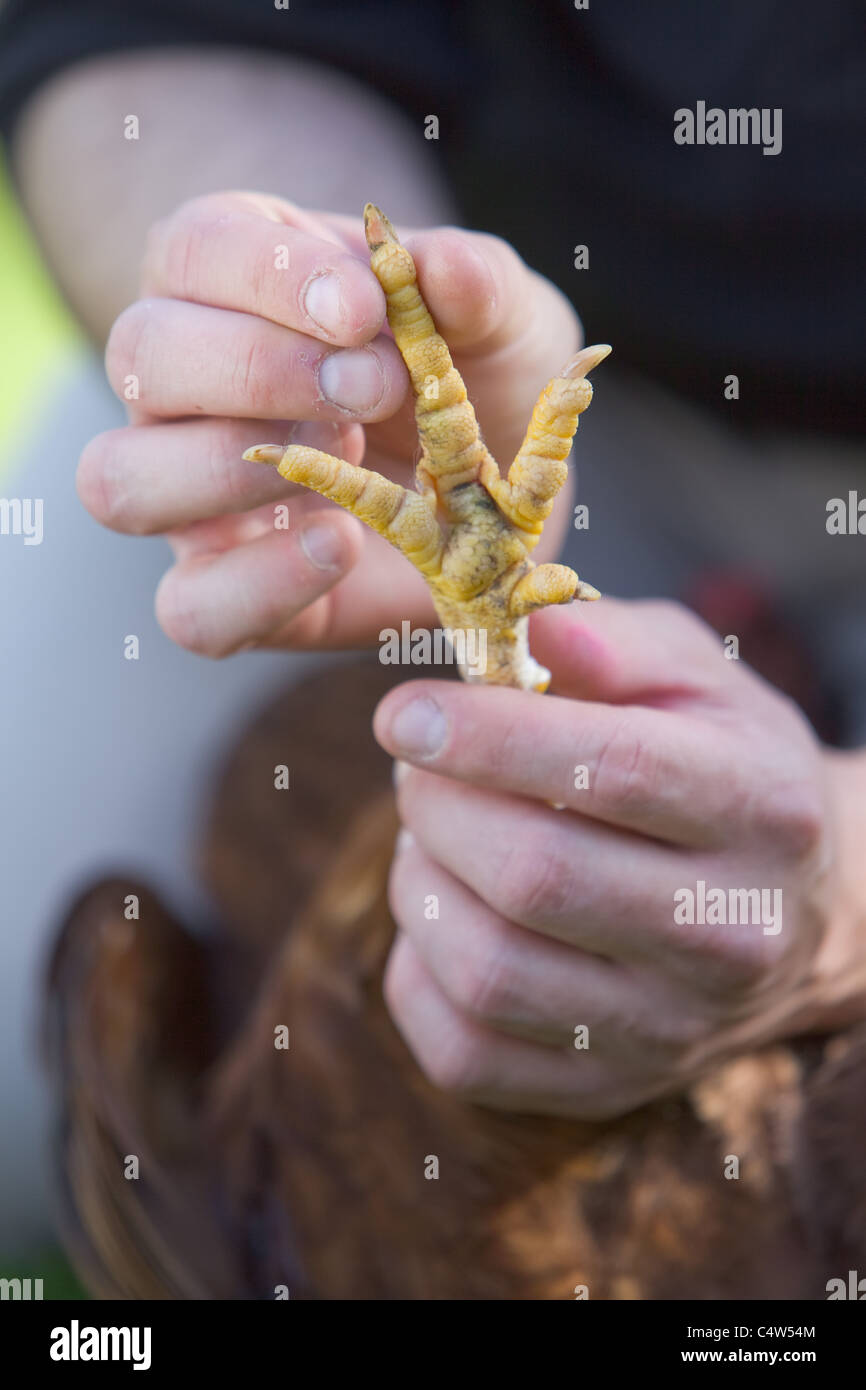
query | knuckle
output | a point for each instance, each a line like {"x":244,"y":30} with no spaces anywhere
{"x":500,"y":750}
{"x":452,"y":1058}
{"x":534,"y":882}
{"x":627,"y":774}
{"x":729,"y":960}
{"x":745,"y":964}
{"x":180,"y":621}
{"x":183,"y":254}
{"x":176,"y":246}
{"x":127,"y":349}
{"x":221,"y":444}
{"x":254,"y":373}
{"x":674,"y":1032}
{"x":315,"y":627}
{"x":262,"y":279}
{"x":486,"y":983}
{"x":456,"y":1063}
{"x":793,"y":818}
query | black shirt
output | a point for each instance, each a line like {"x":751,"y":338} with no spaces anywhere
{"x":557,"y":130}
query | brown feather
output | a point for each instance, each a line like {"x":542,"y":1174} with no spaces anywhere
{"x":305,"y":1167}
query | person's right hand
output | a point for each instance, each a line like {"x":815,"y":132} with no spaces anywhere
{"x":225,"y":349}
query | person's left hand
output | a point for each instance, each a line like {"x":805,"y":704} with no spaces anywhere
{"x":544,"y":960}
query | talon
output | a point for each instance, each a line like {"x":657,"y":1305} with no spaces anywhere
{"x":586,"y":360}
{"x":586,"y":591}
{"x":265,"y":453}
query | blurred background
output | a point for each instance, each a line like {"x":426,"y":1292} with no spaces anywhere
{"x":43,"y":345}
{"x":99,"y":788}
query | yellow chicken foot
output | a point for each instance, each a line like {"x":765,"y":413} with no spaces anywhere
{"x":476,"y":559}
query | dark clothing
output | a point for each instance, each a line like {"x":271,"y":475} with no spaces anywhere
{"x":556,"y":128}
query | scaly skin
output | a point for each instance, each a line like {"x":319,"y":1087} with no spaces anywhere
{"x":468,"y":531}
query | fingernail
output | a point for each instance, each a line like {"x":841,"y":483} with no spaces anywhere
{"x":353,"y":379}
{"x":419,"y":728}
{"x":322,"y":547}
{"x":405,"y":840}
{"x":323,"y":303}
{"x":398,"y":771}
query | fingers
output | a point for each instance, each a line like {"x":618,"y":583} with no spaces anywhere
{"x":555,"y":873}
{"x":148,"y":479}
{"x":515,"y":981}
{"x":247,"y":253}
{"x":218,"y":534}
{"x":605,"y":891}
{"x":358,"y":612}
{"x":215,"y":604}
{"x":645,"y":770}
{"x":184,"y":359}
{"x":266,"y":257}
{"x":257,"y":586}
{"x":476,"y":285}
{"x":477,"y":1064}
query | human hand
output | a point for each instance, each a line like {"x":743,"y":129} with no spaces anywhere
{"x":227,"y":350}
{"x":550,"y":921}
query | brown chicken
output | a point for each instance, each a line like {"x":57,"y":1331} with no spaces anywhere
{"x":266,"y":1171}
